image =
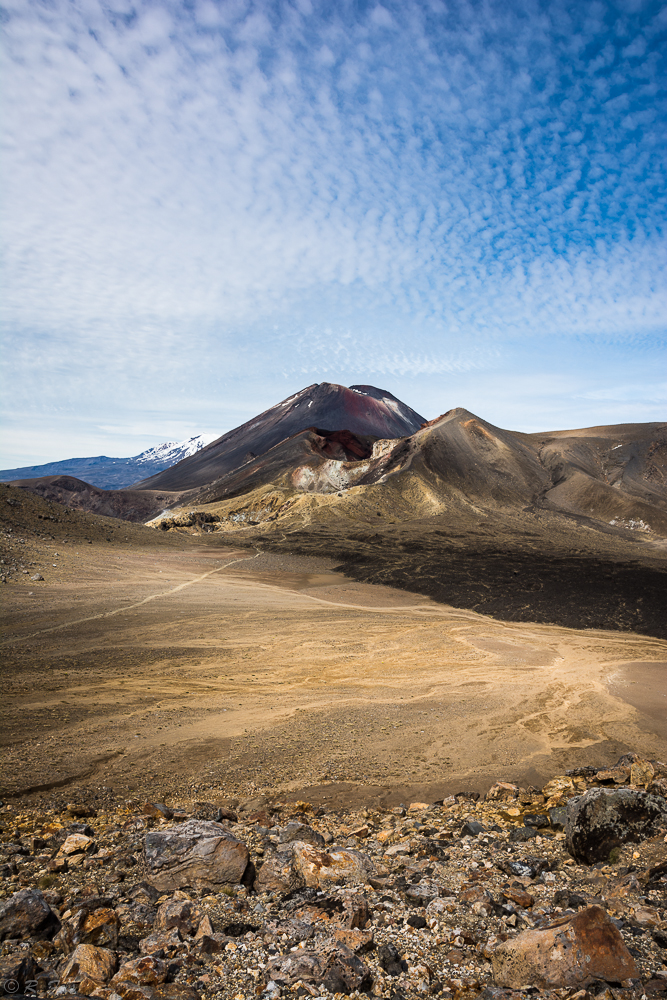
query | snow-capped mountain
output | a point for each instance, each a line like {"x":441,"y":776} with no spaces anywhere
{"x":115,"y":473}
{"x":170,"y":452}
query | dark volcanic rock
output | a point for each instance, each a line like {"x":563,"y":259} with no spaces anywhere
{"x":27,"y":914}
{"x":197,"y":853}
{"x":603,"y":819}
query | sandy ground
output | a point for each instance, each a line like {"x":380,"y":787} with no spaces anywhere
{"x":200,"y":668}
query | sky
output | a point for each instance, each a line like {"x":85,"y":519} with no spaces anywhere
{"x":210,"y":205}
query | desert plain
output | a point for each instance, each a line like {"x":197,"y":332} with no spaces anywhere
{"x":163,"y":664}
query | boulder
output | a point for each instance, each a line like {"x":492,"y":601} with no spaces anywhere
{"x":89,"y":962}
{"x":198,"y":853}
{"x":27,"y":914}
{"x":602,"y":819}
{"x":319,"y":868}
{"x":334,"y":966}
{"x":570,"y":952}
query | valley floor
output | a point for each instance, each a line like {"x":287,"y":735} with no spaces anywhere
{"x":182,"y":667}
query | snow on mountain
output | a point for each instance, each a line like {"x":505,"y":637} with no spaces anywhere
{"x":115,"y":473}
{"x":171,"y":452}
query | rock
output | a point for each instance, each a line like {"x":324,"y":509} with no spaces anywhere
{"x":157,"y":810}
{"x":537,"y":820}
{"x":80,"y":811}
{"x":356,"y":912}
{"x":198,"y":853}
{"x":89,"y":962}
{"x":522,"y":833}
{"x":558,"y":790}
{"x":147,"y":971}
{"x":602,"y":819}
{"x":471,"y":828}
{"x":161,"y":941}
{"x":37,"y":577}
{"x":416,"y":921}
{"x":335,"y":967}
{"x":75,"y":844}
{"x":570,"y":952}
{"x":99,"y":928}
{"x":182,"y":914}
{"x":354,"y":939}
{"x":320,"y":868}
{"x":390,"y":960}
{"x":15,"y":971}
{"x":642,"y":773}
{"x":300,"y":831}
{"x":278,"y":874}
{"x":27,"y":914}
{"x":502,"y":790}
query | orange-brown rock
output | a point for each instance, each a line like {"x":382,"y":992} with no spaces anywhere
{"x":147,"y":971}
{"x":89,"y":962}
{"x":570,"y":952}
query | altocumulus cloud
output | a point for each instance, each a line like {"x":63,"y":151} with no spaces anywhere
{"x":398,"y":188}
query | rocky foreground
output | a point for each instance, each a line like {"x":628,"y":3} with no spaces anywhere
{"x":558,"y":892}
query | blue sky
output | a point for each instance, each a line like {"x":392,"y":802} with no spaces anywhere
{"x":208,"y":206}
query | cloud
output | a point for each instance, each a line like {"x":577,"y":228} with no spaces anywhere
{"x":192,"y":189}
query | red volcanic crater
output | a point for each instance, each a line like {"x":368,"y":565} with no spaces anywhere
{"x":336,"y":411}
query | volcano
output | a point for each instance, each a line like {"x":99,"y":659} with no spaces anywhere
{"x":361,"y":410}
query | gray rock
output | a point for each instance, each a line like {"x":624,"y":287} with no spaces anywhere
{"x":198,"y":853}
{"x":603,"y":819}
{"x":27,"y":914}
{"x":300,"y":831}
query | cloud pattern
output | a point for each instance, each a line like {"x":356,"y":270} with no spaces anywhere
{"x":200,"y":192}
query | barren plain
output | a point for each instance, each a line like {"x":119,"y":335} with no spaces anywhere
{"x":159,"y":663}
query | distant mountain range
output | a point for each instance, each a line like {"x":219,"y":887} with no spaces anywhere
{"x":114,"y":473}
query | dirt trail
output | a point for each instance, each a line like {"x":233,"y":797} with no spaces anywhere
{"x":251,"y":671}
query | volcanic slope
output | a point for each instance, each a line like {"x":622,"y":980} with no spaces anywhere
{"x":362,"y":410}
{"x":569,"y":527}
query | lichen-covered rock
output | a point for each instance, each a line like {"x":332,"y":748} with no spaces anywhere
{"x":342,"y":866}
{"x":27,"y":914}
{"x":570,"y":952}
{"x":603,"y":819}
{"x":198,"y":853}
{"x":89,"y":962}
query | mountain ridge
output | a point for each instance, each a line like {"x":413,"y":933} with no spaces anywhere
{"x":108,"y":473}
